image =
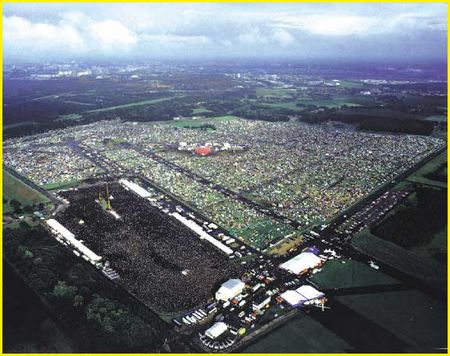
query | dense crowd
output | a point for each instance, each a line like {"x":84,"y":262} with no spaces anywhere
{"x":158,"y":259}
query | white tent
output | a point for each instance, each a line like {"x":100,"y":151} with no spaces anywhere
{"x":69,"y":238}
{"x":309,"y":292}
{"x":135,"y":188}
{"x":293,"y":298}
{"x":216,"y":330}
{"x":230,"y":289}
{"x":301,"y":262}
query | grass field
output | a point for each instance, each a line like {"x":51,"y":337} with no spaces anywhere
{"x":15,"y":189}
{"x":290,"y":105}
{"x":298,"y":105}
{"x":200,"y":111}
{"x":62,"y":185}
{"x":330,"y":103}
{"x":139,"y":103}
{"x":420,"y":176}
{"x":347,"y":274}
{"x":413,"y":320}
{"x":351,"y":84}
{"x":279,"y":93}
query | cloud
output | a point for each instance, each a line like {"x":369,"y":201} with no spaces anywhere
{"x":139,"y":30}
{"x":283,"y":37}
{"x":110,"y":34}
{"x":252,"y":37}
{"x":74,"y":33}
{"x":168,"y":39}
{"x":345,"y":24}
{"x":20,"y":32}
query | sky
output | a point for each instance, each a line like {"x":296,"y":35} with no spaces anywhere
{"x":145,"y":31}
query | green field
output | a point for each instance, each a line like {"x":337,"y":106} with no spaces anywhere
{"x":298,"y":105}
{"x":61,"y":185}
{"x":347,"y":274}
{"x":14,"y":189}
{"x":279,"y":93}
{"x":260,"y":232}
{"x":290,"y":105}
{"x":330,"y":103}
{"x":421,"y":175}
{"x":200,"y":111}
{"x":139,"y":103}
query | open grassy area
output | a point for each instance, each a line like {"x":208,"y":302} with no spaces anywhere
{"x":14,"y":189}
{"x":288,"y":243}
{"x":406,"y":260}
{"x":62,"y":185}
{"x":370,"y":299}
{"x":414,"y":321}
{"x":290,"y":105}
{"x":336,"y":102}
{"x":139,"y":103}
{"x":424,"y":175}
{"x":279,"y":93}
{"x":300,"y":104}
{"x":300,"y":335}
{"x":348,"y":274}
{"x":200,"y":111}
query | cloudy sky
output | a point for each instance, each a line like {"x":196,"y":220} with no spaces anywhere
{"x":157,"y":30}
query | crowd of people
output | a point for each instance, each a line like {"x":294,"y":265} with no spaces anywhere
{"x":158,"y":259}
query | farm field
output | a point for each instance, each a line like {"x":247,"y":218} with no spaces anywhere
{"x":14,"y":189}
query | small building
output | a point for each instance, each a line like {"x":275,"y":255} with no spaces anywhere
{"x":216,"y":330}
{"x":301,"y":263}
{"x":230,"y":289}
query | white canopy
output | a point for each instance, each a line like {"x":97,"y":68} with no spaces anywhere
{"x":230,"y":289}
{"x":309,"y":292}
{"x":301,"y":262}
{"x":216,"y":330}
{"x":292,"y":297}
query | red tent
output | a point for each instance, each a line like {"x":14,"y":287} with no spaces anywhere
{"x":203,"y":150}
